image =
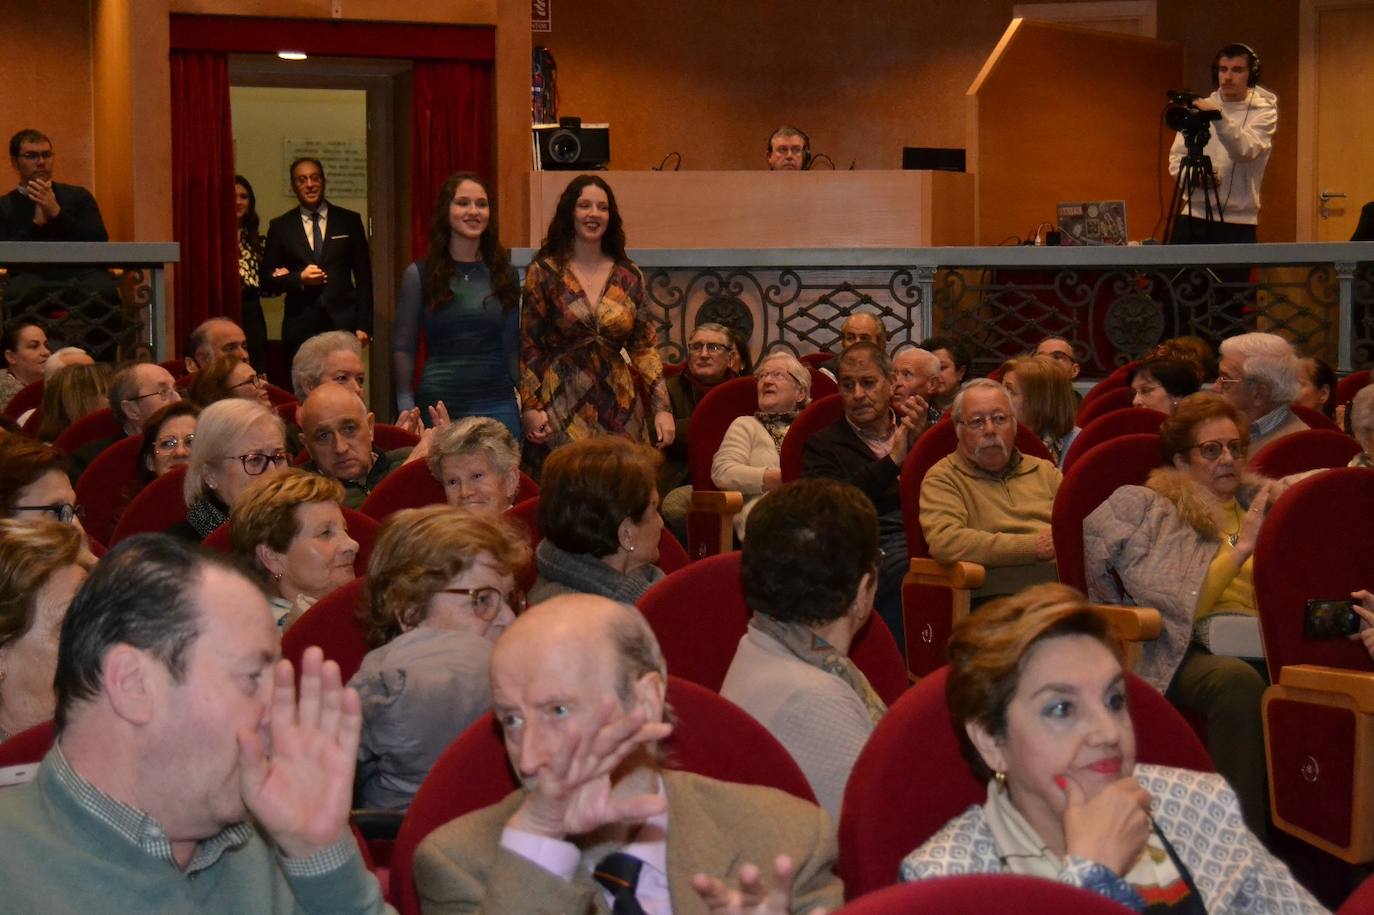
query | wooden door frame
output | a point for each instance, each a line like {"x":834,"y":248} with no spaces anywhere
{"x":1307,"y":109}
{"x":382,"y":80}
{"x":1143,"y":11}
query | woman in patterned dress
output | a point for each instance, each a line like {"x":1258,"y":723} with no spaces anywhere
{"x":251,"y":243}
{"x":583,"y":310}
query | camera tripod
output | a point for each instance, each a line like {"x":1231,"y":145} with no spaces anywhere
{"x":1193,"y":172}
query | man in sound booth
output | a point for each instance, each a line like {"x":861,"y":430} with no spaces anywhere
{"x":789,"y":149}
{"x":1239,"y":148}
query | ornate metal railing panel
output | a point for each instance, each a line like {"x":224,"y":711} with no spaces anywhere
{"x":109,"y":299}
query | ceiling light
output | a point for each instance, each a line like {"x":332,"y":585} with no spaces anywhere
{"x":291,"y":55}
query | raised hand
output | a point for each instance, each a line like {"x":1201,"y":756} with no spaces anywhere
{"x":752,"y":896}
{"x":573,"y":794}
{"x":536,"y":425}
{"x":44,"y":200}
{"x":905,"y":437}
{"x":438,"y":416}
{"x":1110,"y":829}
{"x":410,"y":421}
{"x":300,"y":787}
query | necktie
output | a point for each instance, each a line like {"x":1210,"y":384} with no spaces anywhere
{"x":619,"y":874}
{"x":316,"y":237}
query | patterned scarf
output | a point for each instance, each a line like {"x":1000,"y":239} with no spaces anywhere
{"x":807,"y":646}
{"x":776,"y":425}
{"x":586,"y":573}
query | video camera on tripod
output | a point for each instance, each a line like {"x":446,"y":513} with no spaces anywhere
{"x":1185,"y":117}
{"x":1195,"y":172}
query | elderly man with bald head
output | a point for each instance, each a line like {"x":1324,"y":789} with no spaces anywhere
{"x":215,"y":338}
{"x":916,"y":382}
{"x":135,"y":393}
{"x":337,"y":429}
{"x":579,"y":690}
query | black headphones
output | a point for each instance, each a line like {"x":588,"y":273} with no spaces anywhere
{"x":789,"y":131}
{"x":1236,"y":50}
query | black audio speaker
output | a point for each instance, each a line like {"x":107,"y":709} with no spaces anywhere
{"x":572,"y":147}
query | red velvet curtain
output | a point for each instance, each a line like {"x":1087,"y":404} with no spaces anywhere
{"x":203,"y":220}
{"x":450,"y":131}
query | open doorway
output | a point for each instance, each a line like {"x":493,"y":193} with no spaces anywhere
{"x":342,"y":111}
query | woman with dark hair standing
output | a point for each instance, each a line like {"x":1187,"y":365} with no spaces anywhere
{"x":251,"y":245}
{"x":465,"y":297}
{"x":584,"y":304}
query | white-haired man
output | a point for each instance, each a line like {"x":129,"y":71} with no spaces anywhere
{"x":1259,"y":374}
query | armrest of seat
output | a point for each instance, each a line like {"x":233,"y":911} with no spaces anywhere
{"x":960,"y":576}
{"x":1136,"y":624}
{"x":717,"y":502}
{"x":1356,"y":684}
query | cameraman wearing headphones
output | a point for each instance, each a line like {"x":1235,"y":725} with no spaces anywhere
{"x":1239,"y":149}
{"x":789,"y":149}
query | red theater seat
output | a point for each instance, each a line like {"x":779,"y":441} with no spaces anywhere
{"x":332,"y":626}
{"x":977,"y":894}
{"x":108,"y":484}
{"x":157,"y":507}
{"x":822,"y":412}
{"x":1112,"y":425}
{"x":90,"y":428}
{"x":1311,"y":449}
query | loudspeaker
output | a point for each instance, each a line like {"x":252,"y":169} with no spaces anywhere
{"x":1236,"y":50}
{"x":572,"y":147}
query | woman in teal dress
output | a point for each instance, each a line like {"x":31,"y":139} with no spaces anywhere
{"x":583,"y":313}
{"x":465,"y":297}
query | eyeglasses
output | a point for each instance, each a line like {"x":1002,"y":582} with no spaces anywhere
{"x":1224,"y":380}
{"x":166,"y":392}
{"x":255,"y":462}
{"x":169,"y":444}
{"x":36,"y":156}
{"x":1059,"y":355}
{"x":60,"y":511}
{"x":1211,"y":451}
{"x":488,"y":601}
{"x":307,"y":179}
{"x":979,"y":423}
{"x":773,"y":375}
{"x":256,"y":381}
{"x":698,"y":346}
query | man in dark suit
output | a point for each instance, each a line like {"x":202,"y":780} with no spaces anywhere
{"x":866,"y":448}
{"x":578,"y":687}
{"x":40,"y":209}
{"x":317,"y":255}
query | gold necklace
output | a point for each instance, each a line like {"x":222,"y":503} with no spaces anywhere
{"x":1233,"y":537}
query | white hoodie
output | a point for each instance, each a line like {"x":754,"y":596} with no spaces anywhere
{"x":1239,"y":149}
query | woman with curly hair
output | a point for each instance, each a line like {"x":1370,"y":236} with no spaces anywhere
{"x":464,"y":297}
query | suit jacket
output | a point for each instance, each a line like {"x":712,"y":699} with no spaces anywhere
{"x":79,"y":220}
{"x":347,"y":294}
{"x":837,"y":453}
{"x":714,"y":827}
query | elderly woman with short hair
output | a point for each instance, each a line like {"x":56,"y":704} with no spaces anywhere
{"x":34,"y":484}
{"x":748,"y":457}
{"x":1037,"y":692}
{"x":440,"y":590}
{"x":1042,"y":395}
{"x":289,"y":526}
{"x":226,"y":377}
{"x":1362,"y":426}
{"x":42,"y":563}
{"x":598,"y":509}
{"x":477,"y":461}
{"x":237,"y":441}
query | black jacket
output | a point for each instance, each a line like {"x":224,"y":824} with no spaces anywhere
{"x":347,"y":294}
{"x":79,"y":220}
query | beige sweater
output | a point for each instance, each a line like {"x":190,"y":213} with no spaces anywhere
{"x":970,"y":515}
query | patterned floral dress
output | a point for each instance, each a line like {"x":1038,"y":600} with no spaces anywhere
{"x":572,"y":362}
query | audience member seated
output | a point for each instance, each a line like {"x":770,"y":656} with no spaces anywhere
{"x":598,"y":510}
{"x":228,"y":376}
{"x":810,"y":572}
{"x":288,"y":526}
{"x":858,"y":327}
{"x":1037,"y":692}
{"x":1316,"y":386}
{"x":440,"y":591}
{"x":592,"y":783}
{"x":710,"y":360}
{"x":335,"y":355}
{"x":1061,"y":351}
{"x":67,"y":355}
{"x":788,"y":150}
{"x":25,"y":348}
{"x":41,"y":565}
{"x":477,"y":461}
{"x":1259,"y":374}
{"x":955,"y":363}
{"x":237,"y":441}
{"x":987,"y":502}
{"x":214,"y":339}
{"x":1362,"y":426}
{"x":916,"y":381}
{"x":747,"y":459}
{"x":337,"y":429}
{"x":1160,"y":382}
{"x":1183,"y":543}
{"x":865,"y":448}
{"x":167,"y":439}
{"x":186,"y":776}
{"x":136,"y":392}
{"x":74,"y":392}
{"x":1043,"y":398}
{"x":34,"y":483}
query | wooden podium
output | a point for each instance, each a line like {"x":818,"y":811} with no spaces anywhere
{"x":763,"y":209}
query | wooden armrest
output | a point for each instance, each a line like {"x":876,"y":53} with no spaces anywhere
{"x":720,"y":502}
{"x":961,"y":576}
{"x":1136,"y":624}
{"x":1357,"y":684}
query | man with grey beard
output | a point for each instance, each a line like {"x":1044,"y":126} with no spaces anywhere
{"x":987,"y":502}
